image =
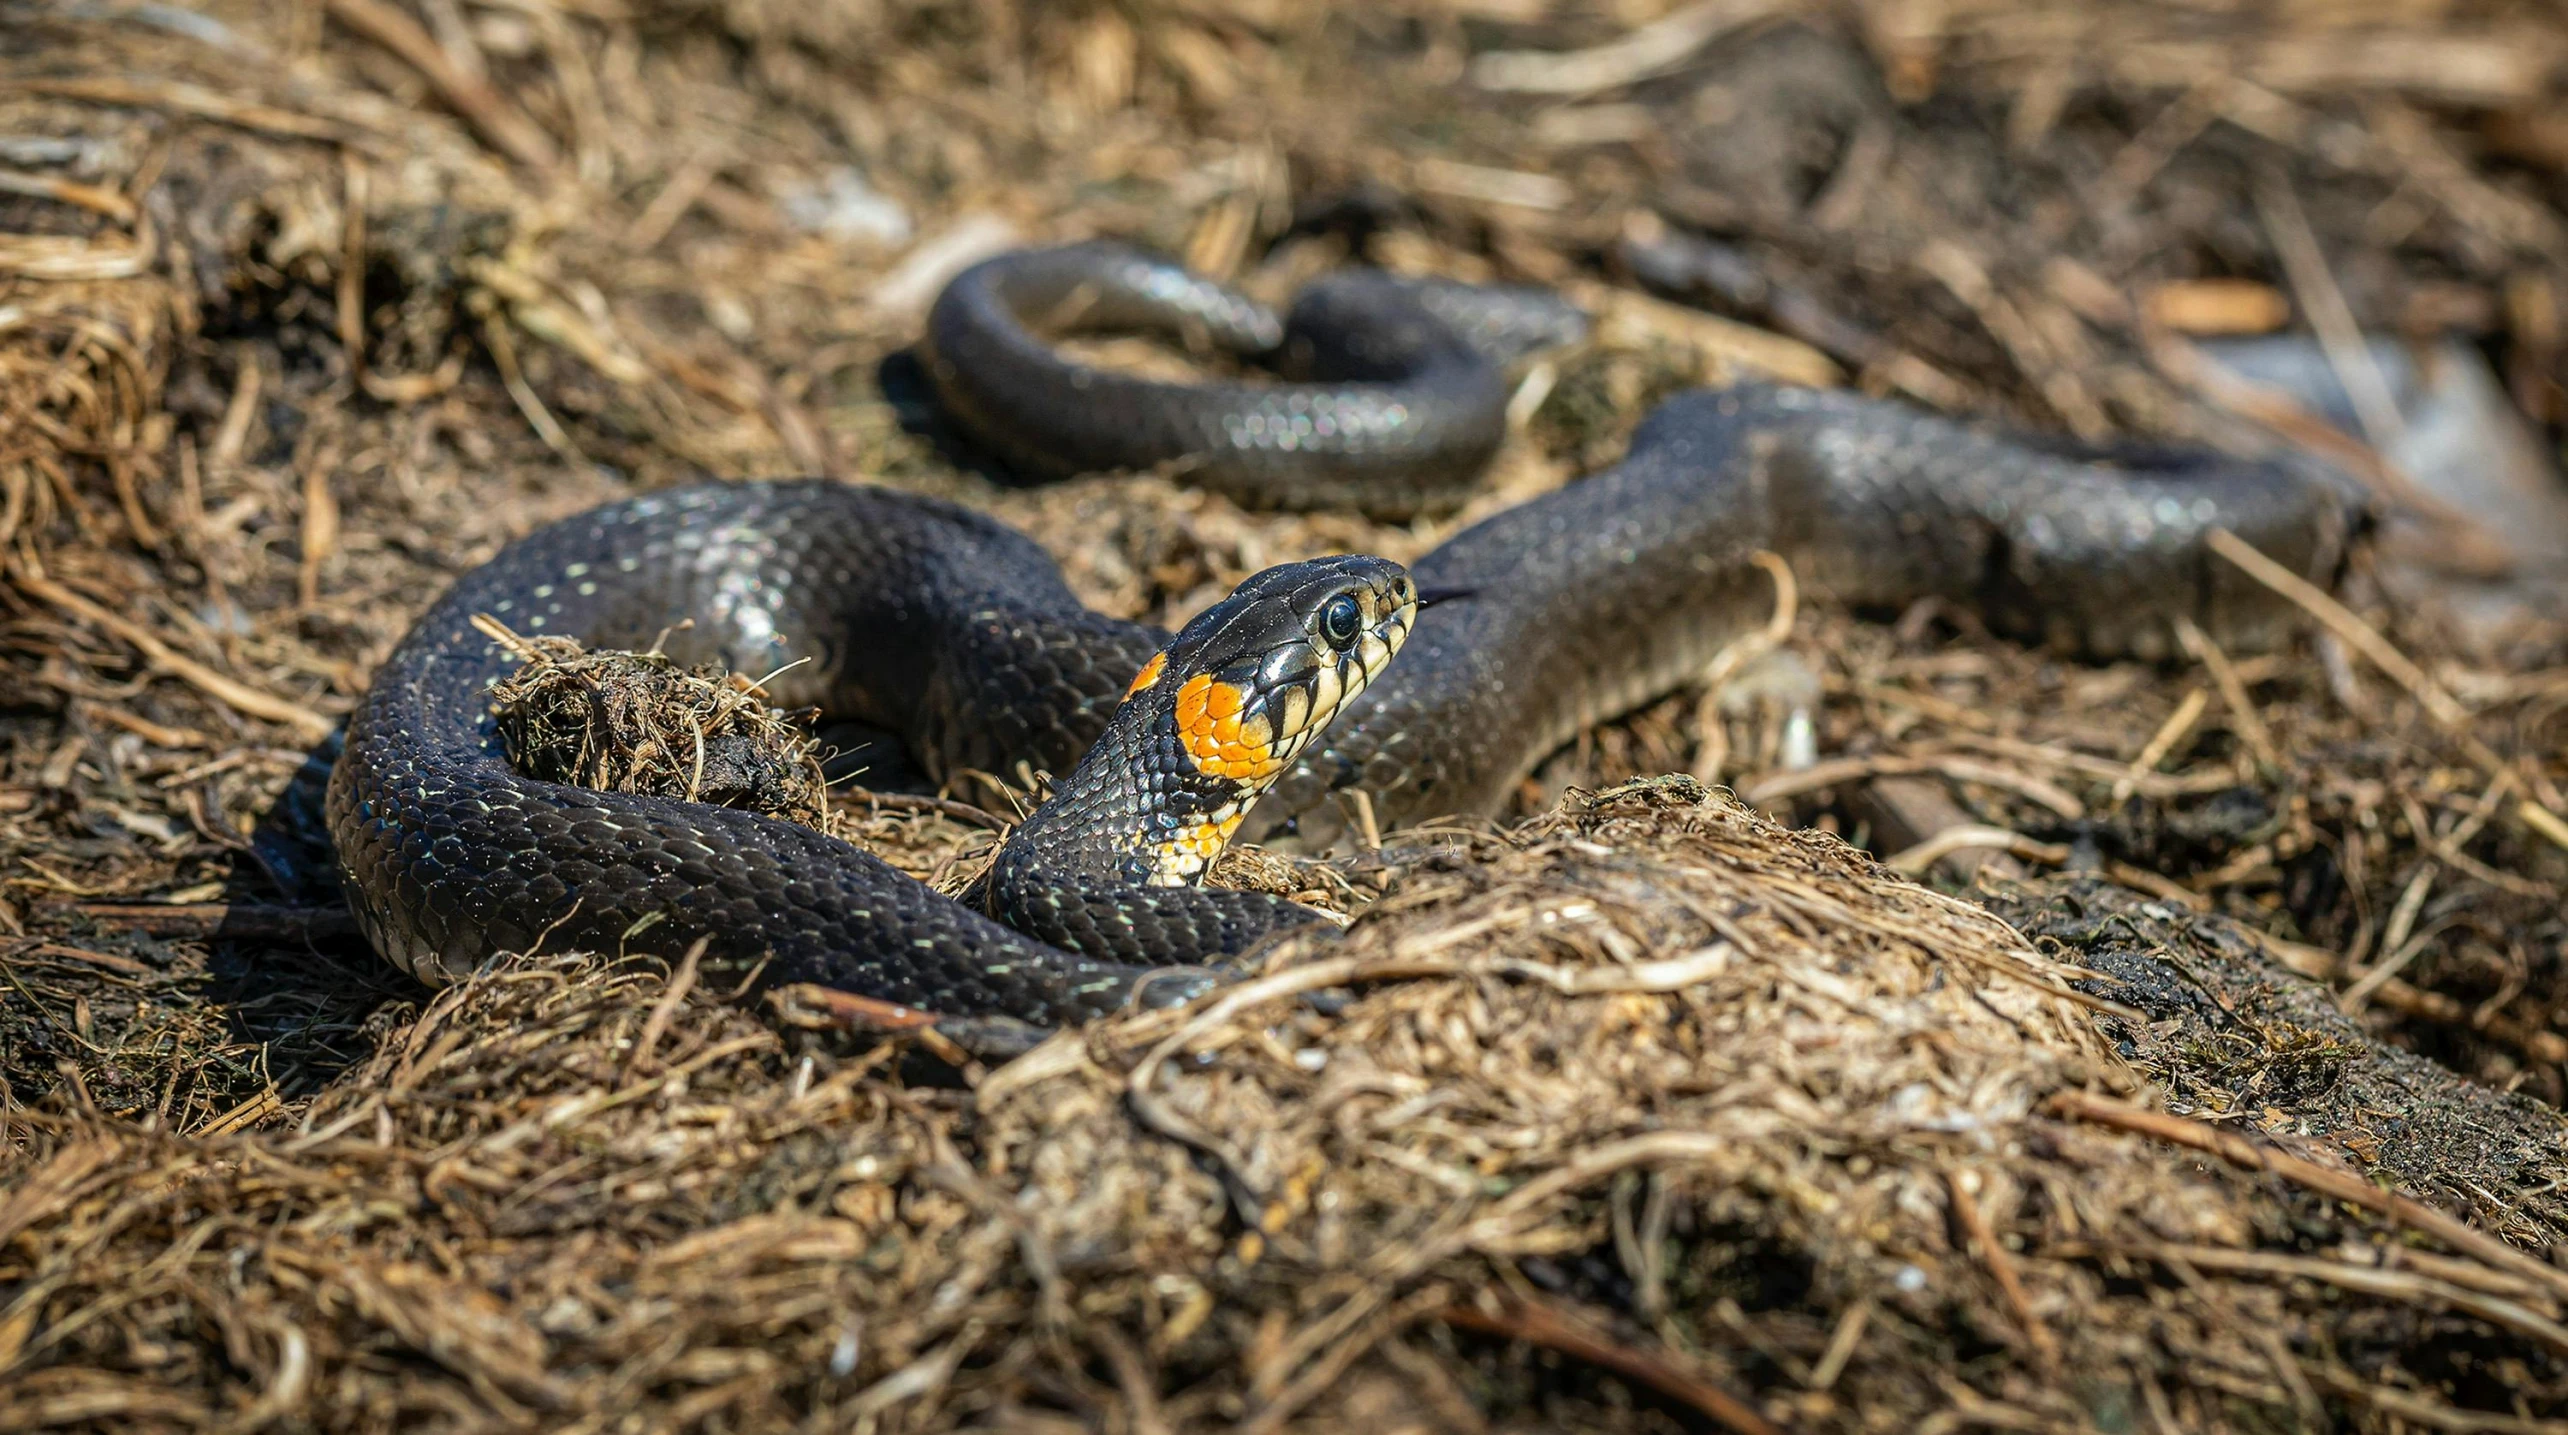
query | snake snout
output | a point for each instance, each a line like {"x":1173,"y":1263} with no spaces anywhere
{"x":1112,"y":865}
{"x":1264,"y":670}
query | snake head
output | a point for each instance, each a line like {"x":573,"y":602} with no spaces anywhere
{"x":1222,"y":711}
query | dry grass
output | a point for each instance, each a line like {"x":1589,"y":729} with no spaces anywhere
{"x":1652,"y":1112}
{"x":1653,"y":1083}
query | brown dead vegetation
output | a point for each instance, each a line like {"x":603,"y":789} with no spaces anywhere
{"x":1648,"y":1111}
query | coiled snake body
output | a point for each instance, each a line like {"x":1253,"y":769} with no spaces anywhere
{"x":959,"y":634}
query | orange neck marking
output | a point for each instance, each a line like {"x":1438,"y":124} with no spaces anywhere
{"x":1149,"y":674}
{"x":1208,"y":720}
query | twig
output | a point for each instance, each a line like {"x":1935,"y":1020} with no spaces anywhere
{"x":2396,"y":1284}
{"x":1520,"y":1318}
{"x":500,"y":121}
{"x":248,"y":1113}
{"x":1668,"y":975}
{"x":159,"y":655}
{"x":2342,"y":621}
{"x":681,"y":982}
{"x":2162,"y":742}
{"x":151,"y":732}
{"x":2541,"y":1044}
{"x":503,"y":356}
{"x":228,"y":920}
{"x":2156,"y":884}
{"x":2447,"y":713}
{"x":921,"y":1377}
{"x":1841,"y":1344}
{"x":2166,"y":133}
{"x":2544,"y":821}
{"x":2337,"y":1185}
{"x":109,"y":960}
{"x":2417,"y":1409}
{"x":962,"y":812}
{"x":2352,"y":1000}
{"x":958,"y":1041}
{"x":1652,"y":49}
{"x":2339,"y":336}
{"x":1966,"y":835}
{"x":1133,"y":1374}
{"x":232,"y":434}
{"x":186,"y":99}
{"x":320,"y":536}
{"x":351,"y":295}
{"x":677,"y":195}
{"x":1369,"y":829}
{"x":2000,"y":1265}
{"x":2154,"y":784}
{"x":1592,"y":1164}
{"x":81,"y":196}
{"x":2446,"y":848}
{"x":1959,"y":769}
{"x":533,"y":305}
{"x":2403,"y":915}
{"x":2233,"y":691}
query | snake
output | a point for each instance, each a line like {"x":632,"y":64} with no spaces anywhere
{"x":1280,"y":713}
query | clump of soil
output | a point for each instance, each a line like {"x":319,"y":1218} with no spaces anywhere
{"x":636,"y":722}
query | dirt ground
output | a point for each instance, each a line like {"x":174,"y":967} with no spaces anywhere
{"x":2212,"y":1083}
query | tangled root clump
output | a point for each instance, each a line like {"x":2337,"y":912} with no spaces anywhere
{"x":636,"y":722}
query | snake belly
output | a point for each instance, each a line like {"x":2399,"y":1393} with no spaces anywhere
{"x":959,"y":634}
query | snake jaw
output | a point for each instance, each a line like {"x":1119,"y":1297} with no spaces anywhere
{"x":1226,"y":708}
{"x":1181,"y":859}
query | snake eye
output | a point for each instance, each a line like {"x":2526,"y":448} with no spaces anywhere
{"x":1341,"y":621}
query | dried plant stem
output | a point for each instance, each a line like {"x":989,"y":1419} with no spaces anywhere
{"x":2394,"y":1284}
{"x":2446,"y":712}
{"x":2001,"y":1266}
{"x":1963,"y":837}
{"x":2233,"y":691}
{"x":231,"y":692}
{"x":1536,"y":1323}
{"x":498,"y":119}
{"x":1959,"y":769}
{"x":2162,"y":742}
{"x":2337,"y":1185}
{"x":2439,"y":705}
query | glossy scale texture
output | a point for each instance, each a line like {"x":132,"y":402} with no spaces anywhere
{"x":1614,"y":590}
{"x":915,"y":615}
{"x":956,"y":632}
{"x":1108,"y":866}
{"x":1394,"y":398}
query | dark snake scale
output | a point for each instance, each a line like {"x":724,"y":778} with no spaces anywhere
{"x":959,"y":635}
